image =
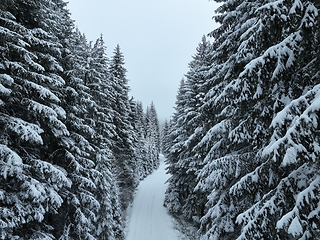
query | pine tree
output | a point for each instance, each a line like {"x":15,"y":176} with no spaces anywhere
{"x":31,"y":121}
{"x":92,"y":209}
{"x":152,"y":136}
{"x":109,"y":220}
{"x":147,"y":144}
{"x":176,"y":188}
{"x":164,"y":137}
{"x":98,"y":80}
{"x":140,"y":143}
{"x":288,"y":155}
{"x":226,"y":157}
{"x":122,"y":141}
{"x":189,"y":161}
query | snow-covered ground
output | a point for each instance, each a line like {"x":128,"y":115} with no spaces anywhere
{"x":149,"y":219}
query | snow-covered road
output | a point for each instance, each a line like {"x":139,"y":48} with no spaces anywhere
{"x":149,"y":220}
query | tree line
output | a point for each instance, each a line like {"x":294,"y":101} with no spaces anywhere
{"x":73,"y":145}
{"x":243,"y":144}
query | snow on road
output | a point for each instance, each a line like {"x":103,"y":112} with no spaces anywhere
{"x":149,"y":219}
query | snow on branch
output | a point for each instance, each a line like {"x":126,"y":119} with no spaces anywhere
{"x":58,"y":128}
{"x":6,"y":79}
{"x":216,"y":132}
{"x":297,"y":118}
{"x":4,"y":91}
{"x":297,"y":187}
{"x":28,"y":57}
{"x":291,"y":220}
{"x":309,"y":19}
{"x":219,"y":172}
{"x":43,"y":92}
{"x":240,"y":133}
{"x":26,"y":131}
{"x":10,"y":162}
{"x":248,"y":180}
{"x":274,"y":5}
{"x":282,"y":52}
{"x":54,"y":175}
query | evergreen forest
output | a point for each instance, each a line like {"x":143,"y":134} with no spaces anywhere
{"x":242,"y":148}
{"x":243,"y":144}
{"x":73,"y":145}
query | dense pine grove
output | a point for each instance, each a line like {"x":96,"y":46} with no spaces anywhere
{"x":243,"y":145}
{"x":73,"y":145}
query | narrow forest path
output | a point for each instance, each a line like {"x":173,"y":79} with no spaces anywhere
{"x":149,"y":219}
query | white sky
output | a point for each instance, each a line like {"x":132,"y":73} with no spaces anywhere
{"x":157,"y":38}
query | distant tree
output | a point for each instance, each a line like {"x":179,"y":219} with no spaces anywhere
{"x":140,"y":144}
{"x":152,"y":136}
{"x":164,"y":135}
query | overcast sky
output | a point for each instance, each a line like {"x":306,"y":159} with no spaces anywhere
{"x":157,"y":38}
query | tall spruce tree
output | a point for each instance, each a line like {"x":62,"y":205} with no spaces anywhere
{"x":189,"y":160}
{"x":176,"y":189}
{"x":140,"y":143}
{"x":92,"y":209}
{"x":109,"y":220}
{"x":31,"y":120}
{"x":122,"y":141}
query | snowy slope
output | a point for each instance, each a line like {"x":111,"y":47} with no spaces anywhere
{"x":149,"y":220}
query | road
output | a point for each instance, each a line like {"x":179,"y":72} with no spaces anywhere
{"x":149,"y":219}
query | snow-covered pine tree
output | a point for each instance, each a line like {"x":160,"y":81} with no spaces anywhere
{"x":123,"y":140}
{"x":31,"y":121}
{"x":189,"y":160}
{"x":260,"y":174}
{"x":152,"y":138}
{"x":147,"y":145}
{"x":163,"y":136}
{"x":176,"y":137}
{"x":98,"y":80}
{"x":89,"y":207}
{"x":197,"y":83}
{"x":140,"y":150}
{"x":225,"y":159}
{"x":55,"y":129}
{"x":109,"y":219}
